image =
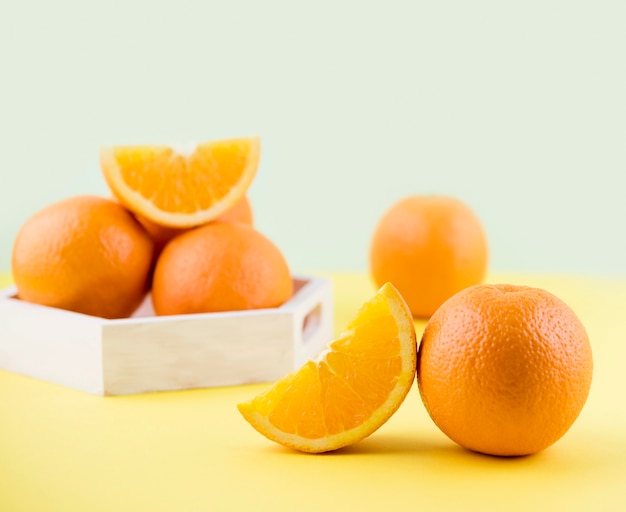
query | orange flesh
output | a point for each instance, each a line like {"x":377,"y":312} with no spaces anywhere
{"x":342,"y":390}
{"x":142,"y":169}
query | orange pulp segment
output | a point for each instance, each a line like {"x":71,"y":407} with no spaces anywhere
{"x":351,"y":389}
{"x":181,"y":186}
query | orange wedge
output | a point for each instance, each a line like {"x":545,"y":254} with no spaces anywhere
{"x":181,"y":186}
{"x":352,"y":388}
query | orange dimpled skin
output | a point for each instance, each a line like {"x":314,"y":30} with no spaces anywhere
{"x":85,"y":254}
{"x":220,"y":267}
{"x":504,"y":370}
{"x":429,"y":247}
{"x":241,"y":211}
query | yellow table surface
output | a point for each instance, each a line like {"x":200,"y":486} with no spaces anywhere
{"x":65,"y":450}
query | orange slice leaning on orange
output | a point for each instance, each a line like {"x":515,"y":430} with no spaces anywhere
{"x":181,"y":186}
{"x":352,"y":388}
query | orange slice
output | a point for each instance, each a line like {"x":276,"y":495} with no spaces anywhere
{"x":181,"y":186}
{"x":352,"y":388}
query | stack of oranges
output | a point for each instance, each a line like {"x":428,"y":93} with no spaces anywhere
{"x":179,"y":224}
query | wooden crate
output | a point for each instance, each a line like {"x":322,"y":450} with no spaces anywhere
{"x":147,"y":353}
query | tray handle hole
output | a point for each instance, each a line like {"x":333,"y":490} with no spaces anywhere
{"x":311,"y":323}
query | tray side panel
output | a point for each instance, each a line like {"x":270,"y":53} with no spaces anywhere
{"x":52,"y":345}
{"x":313,"y":324}
{"x":162,"y":354}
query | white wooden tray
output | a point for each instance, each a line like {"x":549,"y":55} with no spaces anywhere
{"x":146,"y":353}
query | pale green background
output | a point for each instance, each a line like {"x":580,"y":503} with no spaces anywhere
{"x":518,"y":108}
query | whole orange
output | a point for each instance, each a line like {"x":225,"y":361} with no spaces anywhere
{"x":241,"y":211}
{"x":220,"y":266}
{"x":503,"y":369}
{"x":429,"y":247}
{"x":85,"y":254}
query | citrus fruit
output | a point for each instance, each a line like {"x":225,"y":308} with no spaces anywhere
{"x":504,"y":369}
{"x":353,"y":387}
{"x":181,"y":186}
{"x":429,"y":247}
{"x":85,"y":254}
{"x":241,"y":211}
{"x":220,"y":266}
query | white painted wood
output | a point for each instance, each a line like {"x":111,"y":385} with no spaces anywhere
{"x":50,"y":344}
{"x":312,"y":314}
{"x":193,"y":352}
{"x":146,"y":353}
